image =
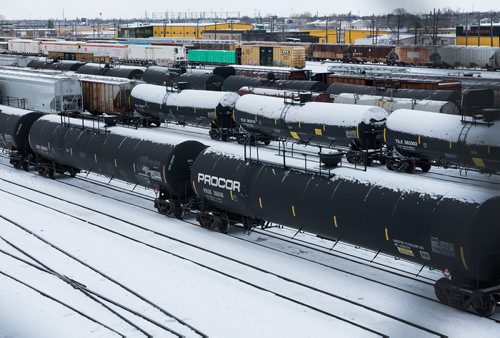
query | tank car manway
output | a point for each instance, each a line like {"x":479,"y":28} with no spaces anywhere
{"x":361,"y":310}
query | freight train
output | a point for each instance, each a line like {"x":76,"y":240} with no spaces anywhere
{"x":81,"y":51}
{"x":409,"y":55}
{"x":405,"y":217}
{"x":359,"y":130}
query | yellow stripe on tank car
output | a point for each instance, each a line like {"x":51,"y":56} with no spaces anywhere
{"x":116,"y":163}
{"x":419,"y":139}
{"x":450,"y":145}
{"x":462,"y":256}
{"x":293,"y":211}
{"x":335,"y":221}
{"x":299,"y":124}
{"x":260,"y":202}
{"x":295,"y":135}
{"x":231,"y":194}
{"x":385,"y":135}
{"x":478,"y":162}
{"x":489,"y":150}
{"x":194,"y":188}
{"x":324,"y":127}
{"x":357,"y":131}
{"x":318,"y":131}
{"x":386,"y":234}
{"x":48,"y":146}
{"x":95,"y":157}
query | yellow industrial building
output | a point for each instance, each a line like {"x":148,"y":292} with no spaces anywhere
{"x":177,"y":30}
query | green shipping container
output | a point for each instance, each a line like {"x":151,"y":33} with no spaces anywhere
{"x":212,"y":56}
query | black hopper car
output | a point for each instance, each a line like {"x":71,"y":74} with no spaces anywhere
{"x":408,"y":217}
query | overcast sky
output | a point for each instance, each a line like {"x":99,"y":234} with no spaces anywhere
{"x":38,"y":9}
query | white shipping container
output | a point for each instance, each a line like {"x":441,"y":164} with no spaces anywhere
{"x":157,"y":53}
{"x":22,"y":46}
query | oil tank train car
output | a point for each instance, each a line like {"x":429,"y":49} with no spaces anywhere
{"x":46,"y":93}
{"x":153,"y":161}
{"x":15,"y":124}
{"x":358,"y":127}
{"x":192,"y":107}
{"x":421,"y":139}
{"x":391,"y":104}
{"x":407,"y":218}
{"x":400,"y":216}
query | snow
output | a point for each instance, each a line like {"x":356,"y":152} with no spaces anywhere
{"x":189,"y":281}
{"x":312,"y":112}
{"x":201,"y":99}
{"x":443,"y":127}
{"x":391,"y":104}
{"x":185,"y":98}
{"x":149,"y":93}
{"x":13,"y":111}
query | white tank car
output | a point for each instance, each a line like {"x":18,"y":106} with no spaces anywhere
{"x":391,"y":104}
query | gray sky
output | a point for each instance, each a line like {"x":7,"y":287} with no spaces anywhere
{"x":38,"y":9}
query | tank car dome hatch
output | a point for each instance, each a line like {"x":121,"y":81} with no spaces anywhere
{"x":224,"y":71}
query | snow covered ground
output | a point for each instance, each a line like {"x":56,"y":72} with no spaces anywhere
{"x":192,"y":281}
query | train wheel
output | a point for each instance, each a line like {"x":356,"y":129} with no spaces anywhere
{"x":164,"y":207}
{"x":240,"y":139}
{"x":410,"y":167}
{"x":177,"y":211}
{"x":51,"y":173}
{"x":441,"y":289}
{"x":40,"y":169}
{"x":367,"y":161}
{"x":223,"y":225}
{"x":26,"y":166}
{"x":353,"y":157}
{"x":425,"y":167}
{"x":214,"y":134}
{"x":484,"y":305}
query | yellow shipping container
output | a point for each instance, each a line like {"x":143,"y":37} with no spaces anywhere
{"x":269,"y":55}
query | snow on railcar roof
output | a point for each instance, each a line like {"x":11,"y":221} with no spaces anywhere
{"x":8,"y":110}
{"x":339,"y":114}
{"x":149,"y":93}
{"x":201,"y":99}
{"x":155,"y":136}
{"x":443,"y":127}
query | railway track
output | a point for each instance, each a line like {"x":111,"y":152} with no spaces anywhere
{"x":357,"y":304}
{"x":112,"y":305}
{"x":358,"y":307}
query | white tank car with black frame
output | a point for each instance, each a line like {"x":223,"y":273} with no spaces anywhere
{"x":15,"y":124}
{"x":150,"y":159}
{"x":422,"y":139}
{"x":391,"y":104}
{"x":404,"y":216}
{"x":318,"y":123}
{"x":191,"y":107}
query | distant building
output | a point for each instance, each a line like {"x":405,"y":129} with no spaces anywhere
{"x":191,"y":30}
{"x":486,"y":35}
{"x":258,"y":35}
